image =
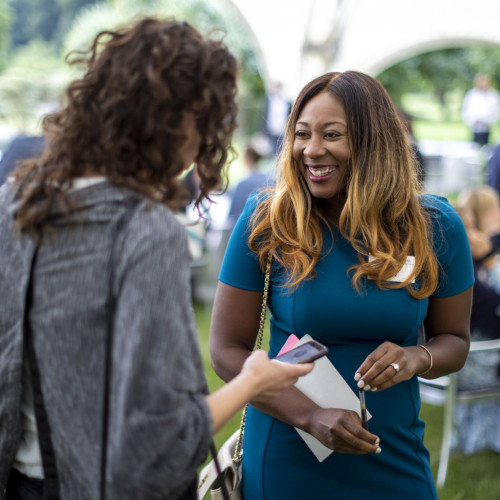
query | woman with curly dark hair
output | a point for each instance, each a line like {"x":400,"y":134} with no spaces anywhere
{"x":103,"y":391}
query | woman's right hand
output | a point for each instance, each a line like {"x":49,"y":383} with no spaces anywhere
{"x":342,"y":431}
{"x":271,"y":377}
{"x":260,"y":379}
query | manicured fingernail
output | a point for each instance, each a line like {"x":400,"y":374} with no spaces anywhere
{"x":377,"y":441}
{"x":367,"y":387}
{"x":357,"y":376}
{"x":361,"y":384}
{"x":374,"y":389}
{"x":378,"y":450}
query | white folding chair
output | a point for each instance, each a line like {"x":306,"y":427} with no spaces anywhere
{"x":443,"y":391}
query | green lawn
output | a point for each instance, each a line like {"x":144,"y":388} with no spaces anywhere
{"x":429,"y":122}
{"x":202,"y":314}
{"x":469,"y":477}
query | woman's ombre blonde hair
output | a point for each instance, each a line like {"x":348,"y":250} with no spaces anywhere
{"x":382,"y":215}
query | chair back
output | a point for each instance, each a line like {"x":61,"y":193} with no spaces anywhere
{"x":446,"y":391}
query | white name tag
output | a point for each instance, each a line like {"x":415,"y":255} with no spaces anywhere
{"x":405,"y":271}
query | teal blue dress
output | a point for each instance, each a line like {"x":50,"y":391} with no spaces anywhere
{"x":277,"y":464}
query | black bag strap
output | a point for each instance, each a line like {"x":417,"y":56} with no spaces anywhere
{"x":222,"y":483}
{"x":51,"y":490}
{"x":51,"y":481}
{"x":238,"y":453}
{"x":108,"y":355}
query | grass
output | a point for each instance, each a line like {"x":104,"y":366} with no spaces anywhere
{"x":469,"y":477}
{"x":202,"y":314}
{"x":429,"y":122}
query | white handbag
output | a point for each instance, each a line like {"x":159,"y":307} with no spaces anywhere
{"x":230,"y":472}
{"x":229,"y":475}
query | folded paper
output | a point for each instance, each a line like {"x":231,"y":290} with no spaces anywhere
{"x":327,"y":388}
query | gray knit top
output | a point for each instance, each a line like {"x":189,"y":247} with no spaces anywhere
{"x":160,"y":426}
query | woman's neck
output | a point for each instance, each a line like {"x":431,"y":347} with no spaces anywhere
{"x":331,"y":208}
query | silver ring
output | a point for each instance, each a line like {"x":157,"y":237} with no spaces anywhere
{"x":395,"y":366}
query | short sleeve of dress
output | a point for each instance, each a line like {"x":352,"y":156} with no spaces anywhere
{"x":240,"y":266}
{"x":456,"y":272}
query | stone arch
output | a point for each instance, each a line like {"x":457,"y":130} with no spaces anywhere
{"x":299,"y":40}
{"x":405,"y":52}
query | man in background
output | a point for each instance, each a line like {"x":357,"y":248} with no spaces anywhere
{"x":276,"y":113}
{"x":21,"y":148}
{"x":480,"y":110}
{"x":255,"y":180}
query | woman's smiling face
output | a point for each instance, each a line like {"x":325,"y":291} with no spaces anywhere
{"x":321,"y":147}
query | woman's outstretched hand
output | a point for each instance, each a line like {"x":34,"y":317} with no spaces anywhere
{"x":271,"y":377}
{"x":260,"y":379}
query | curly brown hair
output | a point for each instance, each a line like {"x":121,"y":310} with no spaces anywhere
{"x":122,"y":118}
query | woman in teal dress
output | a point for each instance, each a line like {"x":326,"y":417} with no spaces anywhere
{"x":361,"y":260}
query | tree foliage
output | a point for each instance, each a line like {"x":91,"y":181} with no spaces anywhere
{"x":442,"y":71}
{"x":5,"y":21}
{"x":42,"y":19}
{"x":210,"y":17}
{"x":55,"y":27}
{"x":32,"y":85}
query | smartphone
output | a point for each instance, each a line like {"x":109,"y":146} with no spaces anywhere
{"x":305,"y":353}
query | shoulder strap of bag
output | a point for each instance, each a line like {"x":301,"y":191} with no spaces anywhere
{"x":238,"y":452}
{"x":51,"y":478}
{"x":108,"y":355}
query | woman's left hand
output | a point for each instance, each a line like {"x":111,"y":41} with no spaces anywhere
{"x":390,"y":364}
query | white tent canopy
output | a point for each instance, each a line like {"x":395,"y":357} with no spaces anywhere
{"x":299,"y":40}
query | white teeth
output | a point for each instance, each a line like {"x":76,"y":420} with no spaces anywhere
{"x":320,"y":172}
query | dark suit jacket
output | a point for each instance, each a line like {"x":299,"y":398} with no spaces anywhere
{"x":21,"y":148}
{"x":494,"y":169}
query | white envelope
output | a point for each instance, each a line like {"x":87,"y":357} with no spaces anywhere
{"x":327,"y":388}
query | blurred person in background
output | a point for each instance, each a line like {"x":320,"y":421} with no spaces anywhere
{"x":276,"y":110}
{"x":407,"y":121}
{"x":493,"y":169}
{"x":19,"y":149}
{"x":481,"y":109}
{"x":476,"y":423}
{"x":479,"y":208}
{"x":254,"y":180}
{"x":94,"y":273}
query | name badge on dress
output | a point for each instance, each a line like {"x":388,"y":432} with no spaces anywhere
{"x":404,"y":272}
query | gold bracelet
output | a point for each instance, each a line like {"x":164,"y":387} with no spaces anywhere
{"x":430,"y":357}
